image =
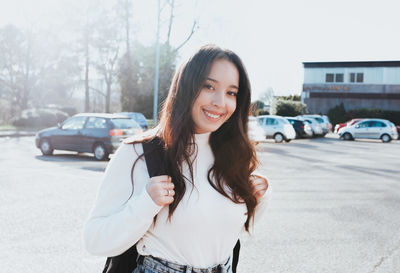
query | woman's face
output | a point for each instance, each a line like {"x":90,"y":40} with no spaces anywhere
{"x":216,"y":101}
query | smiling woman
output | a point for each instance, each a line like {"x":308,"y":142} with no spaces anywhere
{"x":188,"y":219}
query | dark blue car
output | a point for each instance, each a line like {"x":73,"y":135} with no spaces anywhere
{"x":138,"y":117}
{"x":100,"y":134}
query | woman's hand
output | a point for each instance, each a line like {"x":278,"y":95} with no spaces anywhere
{"x":260,"y":185}
{"x":161,"y":190}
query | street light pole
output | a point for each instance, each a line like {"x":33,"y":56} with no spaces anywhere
{"x":155,"y":100}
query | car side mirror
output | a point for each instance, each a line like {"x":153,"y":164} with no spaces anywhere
{"x":59,"y":125}
{"x":357,"y":126}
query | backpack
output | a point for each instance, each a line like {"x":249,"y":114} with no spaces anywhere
{"x":155,"y":158}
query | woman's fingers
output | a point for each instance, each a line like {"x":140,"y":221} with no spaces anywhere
{"x":160,"y":189}
{"x":161,"y":178}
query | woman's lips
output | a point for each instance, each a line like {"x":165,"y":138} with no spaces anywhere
{"x":212,"y":115}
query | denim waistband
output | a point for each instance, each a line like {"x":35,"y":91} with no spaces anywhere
{"x":160,"y":265}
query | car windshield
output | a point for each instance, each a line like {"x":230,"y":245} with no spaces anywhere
{"x":285,"y":121}
{"x":133,"y":115}
{"x":320,"y":120}
{"x":140,"y":116}
{"x":124,"y":123}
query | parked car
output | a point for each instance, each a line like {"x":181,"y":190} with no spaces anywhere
{"x":315,"y":126}
{"x":138,"y":117}
{"x":327,"y":122}
{"x":100,"y":134}
{"x":321,"y":121}
{"x":302,"y":128}
{"x":370,"y":128}
{"x":276,"y":127}
{"x":398,"y":131}
{"x":255,"y":131}
{"x":347,"y":123}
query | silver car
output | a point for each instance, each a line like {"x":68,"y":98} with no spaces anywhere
{"x":324,"y":125}
{"x":371,"y":129}
{"x":277,"y":127}
{"x":315,"y":126}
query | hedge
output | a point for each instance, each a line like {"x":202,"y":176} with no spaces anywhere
{"x":338,"y":114}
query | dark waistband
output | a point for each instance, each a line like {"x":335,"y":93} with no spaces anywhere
{"x":158,"y":263}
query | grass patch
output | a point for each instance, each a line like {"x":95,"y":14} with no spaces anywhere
{"x":9,"y":127}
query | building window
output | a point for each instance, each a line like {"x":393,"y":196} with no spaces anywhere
{"x":360,"y":77}
{"x":356,"y":77}
{"x":329,"y":77}
{"x":338,"y":77}
{"x":352,"y":77}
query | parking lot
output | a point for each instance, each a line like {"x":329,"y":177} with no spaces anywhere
{"x":335,"y":207}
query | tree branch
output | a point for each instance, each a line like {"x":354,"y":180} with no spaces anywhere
{"x":195,"y":25}
{"x":171,"y":20}
{"x":98,"y":91}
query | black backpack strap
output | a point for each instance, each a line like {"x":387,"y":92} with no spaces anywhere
{"x":155,"y":156}
{"x":235,"y":258}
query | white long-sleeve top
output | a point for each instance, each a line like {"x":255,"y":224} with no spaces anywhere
{"x":203,"y":229}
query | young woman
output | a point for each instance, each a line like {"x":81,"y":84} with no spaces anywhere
{"x":189,"y":221}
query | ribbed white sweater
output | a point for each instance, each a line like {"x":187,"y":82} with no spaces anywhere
{"x":202,"y":232}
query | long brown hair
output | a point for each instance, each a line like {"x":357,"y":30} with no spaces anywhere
{"x":176,"y":130}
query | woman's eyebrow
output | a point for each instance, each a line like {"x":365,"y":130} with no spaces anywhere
{"x":213,"y":80}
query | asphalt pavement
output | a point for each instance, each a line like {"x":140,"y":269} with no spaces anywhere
{"x":334,"y":208}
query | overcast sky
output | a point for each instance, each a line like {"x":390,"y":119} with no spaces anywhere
{"x":272,"y":37}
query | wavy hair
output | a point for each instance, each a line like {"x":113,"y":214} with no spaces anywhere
{"x":176,"y":130}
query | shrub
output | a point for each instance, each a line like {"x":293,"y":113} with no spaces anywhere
{"x":260,"y":112}
{"x":289,"y":108}
{"x":337,"y":114}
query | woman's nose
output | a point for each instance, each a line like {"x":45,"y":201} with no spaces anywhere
{"x":219,"y":98}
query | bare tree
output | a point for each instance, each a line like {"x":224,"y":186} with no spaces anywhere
{"x":88,"y":14}
{"x":267,"y":96}
{"x":107,"y":43}
{"x":16,"y":66}
{"x":195,"y":25}
{"x":33,"y":68}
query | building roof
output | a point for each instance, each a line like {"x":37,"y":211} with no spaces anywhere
{"x":100,"y":115}
{"x":351,"y":64}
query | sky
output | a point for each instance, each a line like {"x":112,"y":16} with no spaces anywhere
{"x":273,"y":38}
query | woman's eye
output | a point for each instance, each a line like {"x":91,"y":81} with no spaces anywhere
{"x":232,"y":93}
{"x":209,"y":86}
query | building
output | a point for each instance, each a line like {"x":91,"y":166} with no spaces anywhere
{"x":355,"y":84}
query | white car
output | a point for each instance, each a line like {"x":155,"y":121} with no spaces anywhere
{"x":327,"y":122}
{"x":321,"y":121}
{"x":315,"y":126}
{"x":277,"y":127}
{"x":370,"y":128}
{"x":255,"y":131}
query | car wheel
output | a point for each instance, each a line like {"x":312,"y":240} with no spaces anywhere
{"x":347,"y":136}
{"x":386,"y":138}
{"x":45,"y":147}
{"x":278,"y":137}
{"x":100,"y":151}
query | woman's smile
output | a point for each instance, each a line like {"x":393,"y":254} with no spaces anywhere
{"x":213,"y":116}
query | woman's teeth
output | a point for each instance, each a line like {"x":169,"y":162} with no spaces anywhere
{"x":211,"y":115}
